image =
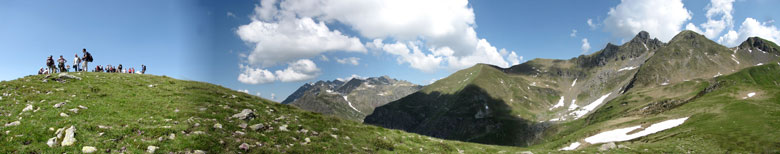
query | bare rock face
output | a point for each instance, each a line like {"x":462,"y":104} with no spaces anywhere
{"x":245,"y":114}
{"x":15,"y":123}
{"x":69,"y":136}
{"x":88,"y":149}
{"x":607,"y":146}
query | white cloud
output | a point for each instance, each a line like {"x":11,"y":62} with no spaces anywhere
{"x":300,"y":70}
{"x":573,"y":33}
{"x":230,"y":14}
{"x":514,"y":59}
{"x":692,"y":27}
{"x":591,"y":24}
{"x":443,"y":29}
{"x":291,"y":39}
{"x":485,"y":53}
{"x":273,"y":96}
{"x":750,"y":28}
{"x":349,"y":60}
{"x":258,"y":94}
{"x":353,"y":76}
{"x":714,"y":25}
{"x":244,"y":90}
{"x":661,"y":18}
{"x":255,"y":75}
{"x":324,"y":58}
{"x":585,"y":46}
{"x":416,"y":58}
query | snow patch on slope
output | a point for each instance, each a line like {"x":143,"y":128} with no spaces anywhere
{"x":573,"y":83}
{"x":590,"y":107}
{"x":751,"y":94}
{"x":572,"y":146}
{"x":621,"y":134}
{"x":627,"y":68}
{"x":350,"y":104}
{"x":560,"y":104}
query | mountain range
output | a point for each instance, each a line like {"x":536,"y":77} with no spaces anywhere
{"x":555,"y":103}
{"x":352,"y":99}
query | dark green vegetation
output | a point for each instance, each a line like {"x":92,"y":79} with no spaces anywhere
{"x":549,"y":104}
{"x":129,"y":112}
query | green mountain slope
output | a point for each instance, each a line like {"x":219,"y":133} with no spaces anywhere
{"x":546,"y":103}
{"x":732,"y":113}
{"x":130,"y":113}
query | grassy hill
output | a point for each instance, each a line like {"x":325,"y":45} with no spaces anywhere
{"x":129,"y":113}
{"x":724,"y":116}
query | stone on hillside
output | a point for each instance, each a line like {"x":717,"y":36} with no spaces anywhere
{"x":88,"y":149}
{"x":198,"y":152}
{"x":28,"y":108}
{"x":283,"y":128}
{"x":52,"y":142}
{"x":244,"y":146}
{"x":69,"y":136}
{"x":68,"y":76}
{"x":218,"y":126}
{"x":83,"y":107}
{"x":256,"y":127}
{"x":151,"y":149}
{"x":607,"y":146}
{"x":15,"y":123}
{"x":245,"y":114}
{"x":63,"y":115}
{"x":58,"y":105}
{"x":242,"y":125}
{"x":74,"y":110}
{"x":172,"y":136}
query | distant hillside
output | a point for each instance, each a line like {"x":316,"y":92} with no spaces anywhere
{"x":353,"y":99}
{"x":130,"y":113}
{"x":555,"y":103}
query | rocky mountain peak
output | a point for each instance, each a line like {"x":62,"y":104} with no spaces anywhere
{"x":759,"y":43}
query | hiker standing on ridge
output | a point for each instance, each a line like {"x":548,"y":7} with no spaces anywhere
{"x":50,"y":64}
{"x":86,"y":59}
{"x":143,"y":69}
{"x":61,"y":64}
{"x":76,"y":62}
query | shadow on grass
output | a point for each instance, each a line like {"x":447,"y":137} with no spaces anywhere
{"x":469,"y":115}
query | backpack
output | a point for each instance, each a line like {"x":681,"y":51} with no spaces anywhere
{"x":49,"y":62}
{"x":89,"y":57}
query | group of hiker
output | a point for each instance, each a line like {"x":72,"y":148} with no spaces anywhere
{"x":80,"y":64}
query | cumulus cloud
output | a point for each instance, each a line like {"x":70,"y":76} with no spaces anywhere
{"x":291,"y":39}
{"x":573,"y":33}
{"x":410,"y":53}
{"x":349,"y":60}
{"x":661,"y":18}
{"x":273,"y":96}
{"x":324,"y":58}
{"x":255,"y":75}
{"x":591,"y":24}
{"x":244,"y":90}
{"x":749,"y":28}
{"x":230,"y":14}
{"x":300,"y":70}
{"x":718,"y":19}
{"x":514,"y":59}
{"x":353,"y":76}
{"x":440,"y":29}
{"x":585,"y":46}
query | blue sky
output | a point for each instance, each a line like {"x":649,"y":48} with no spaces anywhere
{"x":273,"y":47}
